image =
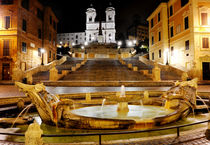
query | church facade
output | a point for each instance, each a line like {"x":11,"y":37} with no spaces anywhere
{"x":93,"y":27}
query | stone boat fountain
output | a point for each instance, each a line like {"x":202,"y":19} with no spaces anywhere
{"x":128,"y":112}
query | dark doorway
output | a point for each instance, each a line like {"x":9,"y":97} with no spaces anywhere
{"x":6,"y":71}
{"x":206,"y":70}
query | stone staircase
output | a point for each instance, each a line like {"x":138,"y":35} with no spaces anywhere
{"x":104,"y":70}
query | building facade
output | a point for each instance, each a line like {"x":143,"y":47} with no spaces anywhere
{"x":26,"y":28}
{"x":179,"y":33}
{"x":139,"y":33}
{"x":71,"y":38}
{"x":91,"y":33}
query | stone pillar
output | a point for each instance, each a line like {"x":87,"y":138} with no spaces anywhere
{"x":29,"y":78}
{"x":156,"y":72}
{"x":184,"y":76}
{"x":130,"y":65}
{"x":135,"y":68}
{"x":33,"y":135}
{"x":73,"y":68}
{"x":53,"y":74}
{"x":208,"y":129}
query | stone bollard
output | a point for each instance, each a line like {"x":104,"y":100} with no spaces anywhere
{"x":33,"y":135}
{"x":88,"y":97}
{"x":73,"y":68}
{"x":208,"y":129}
{"x":78,"y":65}
{"x":20,"y":104}
{"x":29,"y":78}
{"x":184,"y":76}
{"x":156,"y":73}
{"x":130,"y":65}
{"x":53,"y":74}
{"x":135,"y":68}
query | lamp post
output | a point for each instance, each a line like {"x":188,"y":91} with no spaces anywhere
{"x":42,"y":52}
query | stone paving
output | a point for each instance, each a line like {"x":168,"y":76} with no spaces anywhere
{"x":12,"y":91}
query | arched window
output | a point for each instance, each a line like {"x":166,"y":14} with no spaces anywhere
{"x":90,"y":19}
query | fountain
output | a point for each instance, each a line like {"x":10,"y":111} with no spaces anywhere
{"x":123,"y":114}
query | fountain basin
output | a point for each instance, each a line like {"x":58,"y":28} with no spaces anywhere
{"x":109,"y":118}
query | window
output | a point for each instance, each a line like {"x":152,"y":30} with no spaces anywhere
{"x":54,"y":25}
{"x":7,"y":22}
{"x":50,"y":19}
{"x":39,"y":33}
{"x":50,"y":37}
{"x":24,"y":25}
{"x":187,"y":45}
{"x":172,"y":51}
{"x":25,"y":4}
{"x":172,"y":31}
{"x":160,"y":53}
{"x":39,"y":52}
{"x":204,"y":19}
{"x":159,"y":17}
{"x":49,"y":54}
{"x":152,"y":23}
{"x":178,"y":28}
{"x":90,"y":19}
{"x":152,"y":40}
{"x":205,"y":42}
{"x":171,"y":10}
{"x":6,"y":2}
{"x":39,"y":14}
{"x":110,"y":18}
{"x":6,"y":48}
{"x":53,"y":56}
{"x":153,"y":56}
{"x":24,"y":47}
{"x":159,"y":36}
{"x":76,"y":36}
{"x":186,"y":23}
{"x":184,"y":2}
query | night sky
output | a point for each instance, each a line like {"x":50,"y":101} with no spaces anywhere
{"x":72,"y":17}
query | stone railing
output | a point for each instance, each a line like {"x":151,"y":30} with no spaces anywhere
{"x":55,"y":76}
{"x":28,"y":74}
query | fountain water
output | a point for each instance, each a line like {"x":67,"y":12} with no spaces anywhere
{"x":27,"y":107}
{"x":102,"y":105}
{"x":122,"y":106}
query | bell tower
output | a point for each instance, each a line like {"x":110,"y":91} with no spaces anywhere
{"x":110,"y":13}
{"x":90,"y":14}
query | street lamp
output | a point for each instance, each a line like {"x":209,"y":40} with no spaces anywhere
{"x":86,"y":43}
{"x":119,"y":43}
{"x":42,"y":52}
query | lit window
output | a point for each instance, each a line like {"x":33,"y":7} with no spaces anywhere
{"x":24,"y":47}
{"x":205,"y":42}
{"x":204,"y":19}
{"x":178,"y":28}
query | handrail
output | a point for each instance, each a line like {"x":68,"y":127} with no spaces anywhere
{"x":112,"y":133}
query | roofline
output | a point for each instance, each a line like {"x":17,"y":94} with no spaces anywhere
{"x":162,"y":4}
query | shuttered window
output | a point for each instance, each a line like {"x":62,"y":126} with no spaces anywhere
{"x":205,"y":42}
{"x":204,"y":19}
{"x":6,"y":48}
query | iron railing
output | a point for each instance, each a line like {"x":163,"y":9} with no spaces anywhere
{"x":112,"y":133}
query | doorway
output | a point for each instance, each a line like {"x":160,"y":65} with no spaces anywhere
{"x":6,"y":71}
{"x":206,"y":70}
